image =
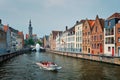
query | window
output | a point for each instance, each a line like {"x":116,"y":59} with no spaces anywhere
{"x":94,"y":46}
{"x":109,"y":49}
{"x":94,"y":38}
{"x":100,"y":37}
{"x":118,"y":30}
{"x":118,"y":39}
{"x":97,"y":46}
{"x":96,"y":28}
{"x":112,"y":40}
{"x":88,"y":33}
{"x":119,"y":21}
{"x":109,"y":23}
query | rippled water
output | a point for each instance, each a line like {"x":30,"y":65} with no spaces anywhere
{"x":23,"y":67}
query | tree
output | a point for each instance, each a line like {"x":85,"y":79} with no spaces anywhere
{"x":29,"y":42}
{"x":39,"y":42}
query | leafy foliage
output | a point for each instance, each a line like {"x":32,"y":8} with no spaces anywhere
{"x":29,"y":42}
{"x":39,"y":42}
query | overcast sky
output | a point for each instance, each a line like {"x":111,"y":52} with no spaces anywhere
{"x":48,"y":15}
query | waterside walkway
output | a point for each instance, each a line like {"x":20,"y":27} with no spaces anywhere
{"x":98,"y":58}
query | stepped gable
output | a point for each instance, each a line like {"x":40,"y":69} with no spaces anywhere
{"x":102,"y":23}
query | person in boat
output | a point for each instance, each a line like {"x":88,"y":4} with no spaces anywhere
{"x":44,"y":63}
{"x":47,"y":63}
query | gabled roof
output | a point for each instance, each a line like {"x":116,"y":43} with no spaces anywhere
{"x":71,"y":29}
{"x":115,"y":15}
{"x":20,"y":33}
{"x":55,"y":33}
{"x":80,"y":22}
{"x":91,"y":23}
{"x":47,"y":37}
{"x":101,"y":22}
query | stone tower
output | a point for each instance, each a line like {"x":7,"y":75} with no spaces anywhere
{"x":30,"y":29}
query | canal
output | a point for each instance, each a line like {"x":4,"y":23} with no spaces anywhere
{"x":23,"y":67}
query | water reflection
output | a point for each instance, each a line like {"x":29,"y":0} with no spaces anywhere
{"x":23,"y":67}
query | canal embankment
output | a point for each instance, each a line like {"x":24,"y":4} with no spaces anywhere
{"x":98,"y":58}
{"x":6,"y":56}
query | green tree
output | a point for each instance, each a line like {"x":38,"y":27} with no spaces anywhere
{"x":39,"y":42}
{"x":29,"y":42}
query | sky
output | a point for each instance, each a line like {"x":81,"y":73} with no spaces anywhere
{"x":48,"y":15}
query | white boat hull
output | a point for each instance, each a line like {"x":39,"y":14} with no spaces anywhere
{"x":50,"y":67}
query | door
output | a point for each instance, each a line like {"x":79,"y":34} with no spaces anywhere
{"x":112,"y":51}
{"x":101,"y":48}
{"x":88,"y":50}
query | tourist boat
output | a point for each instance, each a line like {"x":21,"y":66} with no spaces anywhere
{"x":48,"y":65}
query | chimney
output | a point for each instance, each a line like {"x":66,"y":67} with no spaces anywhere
{"x":77,"y":22}
{"x":0,"y":21}
{"x":66,"y":28}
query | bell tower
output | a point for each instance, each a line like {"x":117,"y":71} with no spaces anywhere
{"x":30,"y":29}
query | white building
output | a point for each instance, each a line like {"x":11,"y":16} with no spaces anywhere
{"x":78,"y":36}
{"x":110,"y":34}
{"x":71,"y":39}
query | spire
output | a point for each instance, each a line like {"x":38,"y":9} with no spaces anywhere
{"x":30,"y":23}
{"x":30,"y":29}
{"x":97,"y":17}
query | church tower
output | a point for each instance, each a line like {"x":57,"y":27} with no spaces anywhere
{"x":30,"y":29}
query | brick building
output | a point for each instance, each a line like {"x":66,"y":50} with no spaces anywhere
{"x":97,"y":37}
{"x":87,"y":29}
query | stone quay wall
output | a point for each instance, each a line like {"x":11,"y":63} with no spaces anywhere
{"x":7,"y":56}
{"x":98,"y":58}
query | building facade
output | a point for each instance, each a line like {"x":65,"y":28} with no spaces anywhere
{"x":97,"y":37}
{"x":52,"y":39}
{"x":71,"y":39}
{"x":110,"y":34}
{"x":8,"y":36}
{"x":117,"y":38}
{"x":46,"y":42}
{"x":3,"y":41}
{"x":87,"y":30}
{"x":78,"y":36}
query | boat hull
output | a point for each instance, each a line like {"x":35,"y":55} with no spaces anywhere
{"x":49,"y":67}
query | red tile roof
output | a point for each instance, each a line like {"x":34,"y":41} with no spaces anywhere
{"x":91,"y":23}
{"x":5,"y":27}
{"x":115,"y":15}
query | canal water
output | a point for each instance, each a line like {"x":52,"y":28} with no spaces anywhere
{"x":23,"y":67}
